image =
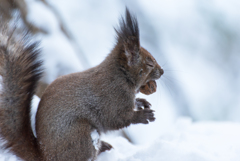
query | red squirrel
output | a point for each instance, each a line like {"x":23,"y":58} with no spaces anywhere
{"x":76,"y":108}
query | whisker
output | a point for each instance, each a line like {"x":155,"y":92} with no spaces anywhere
{"x":159,"y":93}
{"x":167,"y":87}
{"x":172,"y":70}
{"x":164,"y":64}
{"x":172,"y":79}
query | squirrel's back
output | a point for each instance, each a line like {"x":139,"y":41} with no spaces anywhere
{"x":20,"y":71}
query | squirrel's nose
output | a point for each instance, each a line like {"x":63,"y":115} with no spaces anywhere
{"x":161,"y":71}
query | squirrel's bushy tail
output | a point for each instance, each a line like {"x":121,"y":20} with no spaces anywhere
{"x":20,"y":69}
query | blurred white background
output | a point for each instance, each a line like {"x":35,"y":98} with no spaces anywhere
{"x":196,"y":42}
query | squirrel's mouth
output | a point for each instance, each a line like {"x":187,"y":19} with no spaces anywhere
{"x":149,"y":88}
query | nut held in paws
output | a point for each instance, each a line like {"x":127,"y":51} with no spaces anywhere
{"x":149,"y":88}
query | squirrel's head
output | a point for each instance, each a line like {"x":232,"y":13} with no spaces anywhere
{"x":136,"y":62}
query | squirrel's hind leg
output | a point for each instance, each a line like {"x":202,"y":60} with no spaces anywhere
{"x":104,"y":147}
{"x":100,"y":146}
{"x":73,"y":142}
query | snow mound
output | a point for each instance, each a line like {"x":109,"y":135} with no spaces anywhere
{"x":186,"y":141}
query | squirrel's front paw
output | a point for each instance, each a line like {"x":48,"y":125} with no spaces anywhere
{"x":144,"y":116}
{"x":140,"y":102}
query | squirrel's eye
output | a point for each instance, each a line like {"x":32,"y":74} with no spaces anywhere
{"x":150,"y":65}
{"x":140,"y":73}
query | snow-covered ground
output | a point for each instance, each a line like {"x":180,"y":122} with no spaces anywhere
{"x":196,"y":42}
{"x":184,"y":141}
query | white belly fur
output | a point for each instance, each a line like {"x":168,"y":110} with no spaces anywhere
{"x":95,"y":139}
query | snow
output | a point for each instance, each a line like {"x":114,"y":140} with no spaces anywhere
{"x":184,"y":141}
{"x":198,"y":41}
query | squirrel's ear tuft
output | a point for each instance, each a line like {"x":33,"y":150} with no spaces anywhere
{"x":128,"y":37}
